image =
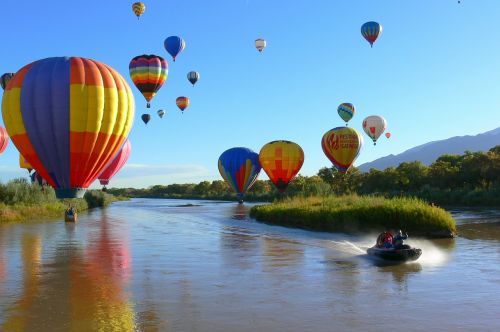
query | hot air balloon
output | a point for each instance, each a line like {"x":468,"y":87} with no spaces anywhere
{"x":68,"y":116}
{"x":342,"y":145}
{"x":346,"y":111}
{"x":4,"y":139}
{"x":24,"y":164}
{"x":174,"y":45}
{"x":193,"y":77}
{"x":371,"y":31}
{"x":145,"y":118}
{"x":138,"y":8}
{"x":388,"y":135}
{"x":5,"y":78}
{"x":374,"y":126}
{"x":239,"y":167}
{"x":281,"y":160}
{"x":161,"y":113}
{"x":260,"y":44}
{"x":182,"y":103}
{"x":116,"y":164}
{"x":148,"y":72}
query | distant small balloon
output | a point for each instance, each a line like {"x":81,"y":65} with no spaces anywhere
{"x":5,"y":78}
{"x":174,"y":45}
{"x":371,"y":31}
{"x":4,"y":139}
{"x":138,"y":8}
{"x":346,"y":111}
{"x":388,"y":135}
{"x":193,"y":77}
{"x":161,"y":113}
{"x":260,"y":44}
{"x":182,"y":103}
{"x":145,"y":118}
{"x":374,"y":126}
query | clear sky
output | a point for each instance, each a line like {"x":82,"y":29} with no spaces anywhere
{"x":433,"y":73}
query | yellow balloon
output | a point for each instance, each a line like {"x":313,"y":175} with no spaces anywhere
{"x":139,"y":8}
{"x":342,"y":145}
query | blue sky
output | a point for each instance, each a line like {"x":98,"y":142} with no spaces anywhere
{"x":433,"y":73}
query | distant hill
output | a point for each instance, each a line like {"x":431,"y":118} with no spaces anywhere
{"x":429,"y":152}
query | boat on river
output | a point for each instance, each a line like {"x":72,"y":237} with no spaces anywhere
{"x":70,"y":217}
{"x":398,"y":253}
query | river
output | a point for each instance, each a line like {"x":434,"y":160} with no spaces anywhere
{"x":178,"y":265}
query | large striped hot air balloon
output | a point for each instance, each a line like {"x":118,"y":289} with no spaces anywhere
{"x":281,"y":160}
{"x":371,"y":31}
{"x":149,"y":73}
{"x":138,"y":8}
{"x":5,"y":78}
{"x":239,"y":167}
{"x":342,"y":145}
{"x":174,"y":45}
{"x":374,"y":126}
{"x":4,"y":139}
{"x":68,"y":117}
{"x":116,"y":164}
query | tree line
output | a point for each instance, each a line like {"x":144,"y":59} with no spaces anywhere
{"x":472,"y":178}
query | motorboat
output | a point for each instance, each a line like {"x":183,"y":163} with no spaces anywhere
{"x":405,"y":254}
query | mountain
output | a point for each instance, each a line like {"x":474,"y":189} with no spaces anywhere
{"x":427,"y":153}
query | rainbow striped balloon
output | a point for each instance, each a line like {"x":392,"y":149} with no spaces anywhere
{"x":182,"y":103}
{"x":149,"y":73}
{"x":371,"y":31}
{"x":68,"y":117}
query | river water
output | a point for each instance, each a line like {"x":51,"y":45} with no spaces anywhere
{"x":176,"y":265}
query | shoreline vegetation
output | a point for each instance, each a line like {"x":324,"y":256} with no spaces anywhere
{"x":22,"y":201}
{"x":355,"y":214}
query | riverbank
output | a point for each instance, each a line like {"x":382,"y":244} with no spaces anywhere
{"x":22,"y":202}
{"x":355,"y":214}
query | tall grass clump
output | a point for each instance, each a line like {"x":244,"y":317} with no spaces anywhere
{"x":352,"y":213}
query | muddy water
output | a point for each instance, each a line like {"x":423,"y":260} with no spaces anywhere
{"x":173,"y":265}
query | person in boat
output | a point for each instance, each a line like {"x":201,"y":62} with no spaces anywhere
{"x":70,"y":211}
{"x":398,"y":240}
{"x":385,"y":240}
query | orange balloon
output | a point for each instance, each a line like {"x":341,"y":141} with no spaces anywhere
{"x":342,"y":145}
{"x":388,"y":135}
{"x":281,"y":160}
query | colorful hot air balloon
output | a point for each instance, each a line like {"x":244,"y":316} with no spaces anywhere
{"x":161,"y":113}
{"x":24,"y":164}
{"x":4,"y":139}
{"x":193,"y":77}
{"x":346,"y":111}
{"x":148,"y":72}
{"x":116,"y":164}
{"x":388,"y":135}
{"x":281,"y":160}
{"x":260,"y":44}
{"x":240,"y":168}
{"x":371,"y":31}
{"x":174,"y":45}
{"x":68,"y":117}
{"x":5,"y":78}
{"x":145,"y":118}
{"x":374,"y":126}
{"x":342,"y":145}
{"x":182,"y":103}
{"x":138,"y":8}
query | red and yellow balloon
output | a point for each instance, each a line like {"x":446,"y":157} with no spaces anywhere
{"x":68,"y":117}
{"x":342,"y":145}
{"x":4,"y":139}
{"x":281,"y":160}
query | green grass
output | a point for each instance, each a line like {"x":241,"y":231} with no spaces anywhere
{"x":21,"y":201}
{"x":352,"y":214}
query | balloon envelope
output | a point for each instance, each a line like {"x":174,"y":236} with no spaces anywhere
{"x":371,"y":31}
{"x":182,"y":103}
{"x":4,"y":139}
{"x":281,"y":160}
{"x":174,"y":45}
{"x":193,"y":77}
{"x":138,"y":8}
{"x":346,"y":111}
{"x":342,"y":145}
{"x":161,"y":113}
{"x":145,"y":118}
{"x":239,"y":167}
{"x":374,"y":126}
{"x":5,"y":78}
{"x":116,"y":164}
{"x":149,"y":73}
{"x":260,"y":44}
{"x":388,"y":135}
{"x":68,"y":117}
